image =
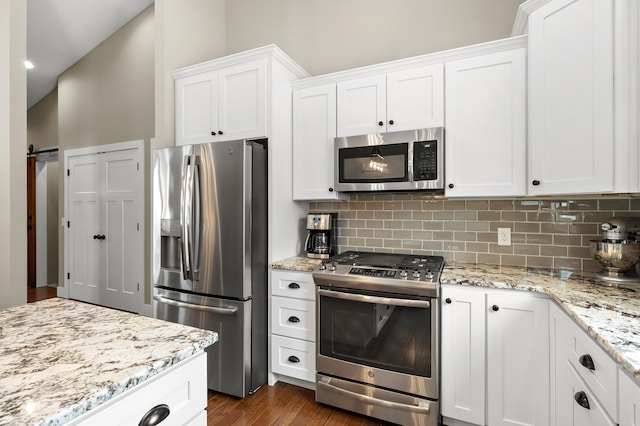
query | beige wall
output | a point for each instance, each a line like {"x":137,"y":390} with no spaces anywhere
{"x":13,"y":145}
{"x":108,"y":95}
{"x":334,"y":35}
{"x":42,"y":122}
{"x":53,"y":221}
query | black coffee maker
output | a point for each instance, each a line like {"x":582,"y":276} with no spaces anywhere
{"x":320,"y":243}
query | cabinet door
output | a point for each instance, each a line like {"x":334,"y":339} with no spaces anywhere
{"x":571,"y":97}
{"x":243,"y":101}
{"x":314,"y":130}
{"x":485,"y":125}
{"x":197,"y":108}
{"x":415,"y":98}
{"x":517,"y":359}
{"x":463,"y":350}
{"x":629,"y":401}
{"x":362,"y":105}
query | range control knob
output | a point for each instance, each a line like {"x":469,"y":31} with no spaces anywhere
{"x":429,"y":275}
{"x":403,"y":273}
{"x":331,"y":266}
{"x":322,"y":267}
{"x":416,"y":274}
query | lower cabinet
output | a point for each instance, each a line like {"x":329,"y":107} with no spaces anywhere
{"x":629,"y":400}
{"x":292,"y":328}
{"x":182,"y":389}
{"x":511,"y":328}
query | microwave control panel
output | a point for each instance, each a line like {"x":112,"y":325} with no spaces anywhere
{"x":425,"y":160}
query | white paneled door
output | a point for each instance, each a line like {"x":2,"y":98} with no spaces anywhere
{"x":105,"y":234}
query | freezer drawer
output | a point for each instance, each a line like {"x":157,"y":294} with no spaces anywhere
{"x":229,"y":360}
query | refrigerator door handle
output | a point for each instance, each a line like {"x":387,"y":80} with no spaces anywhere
{"x":196,"y":237}
{"x":185,"y":218}
{"x":210,"y":309}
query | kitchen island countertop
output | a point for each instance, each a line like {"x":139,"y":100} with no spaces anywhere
{"x":61,"y":358}
{"x":610,"y":315}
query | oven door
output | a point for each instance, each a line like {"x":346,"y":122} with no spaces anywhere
{"x":390,"y":341}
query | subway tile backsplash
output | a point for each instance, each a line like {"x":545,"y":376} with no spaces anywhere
{"x":544,"y":233}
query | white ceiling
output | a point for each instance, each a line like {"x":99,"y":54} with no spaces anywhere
{"x":60,"y":32}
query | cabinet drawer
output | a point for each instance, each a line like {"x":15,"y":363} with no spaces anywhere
{"x":595,"y":414}
{"x":293,"y":358}
{"x":298,"y":285}
{"x":183,"y":388}
{"x":293,"y":318}
{"x":591,"y":363}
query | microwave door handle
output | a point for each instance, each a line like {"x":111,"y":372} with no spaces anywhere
{"x":424,"y":407}
{"x":184,"y":218}
{"x":209,"y":309}
{"x":375,"y":299}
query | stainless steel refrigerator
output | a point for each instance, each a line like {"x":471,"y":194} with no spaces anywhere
{"x":210,"y":253}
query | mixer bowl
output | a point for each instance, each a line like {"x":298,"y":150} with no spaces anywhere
{"x":615,"y":257}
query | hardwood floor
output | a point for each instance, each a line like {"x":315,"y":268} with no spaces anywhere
{"x":40,"y":293}
{"x":281,"y":404}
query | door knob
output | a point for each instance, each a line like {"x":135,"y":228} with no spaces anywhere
{"x":496,"y":308}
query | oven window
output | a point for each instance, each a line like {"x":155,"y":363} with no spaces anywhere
{"x":374,"y":164}
{"x":395,"y":338}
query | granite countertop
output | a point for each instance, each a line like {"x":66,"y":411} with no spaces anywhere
{"x":610,"y":315}
{"x":60,"y":358}
{"x":296,"y":263}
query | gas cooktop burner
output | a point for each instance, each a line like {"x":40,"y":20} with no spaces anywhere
{"x":412,"y":274}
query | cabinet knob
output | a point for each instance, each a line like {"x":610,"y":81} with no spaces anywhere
{"x":213,"y":133}
{"x":155,"y":415}
{"x":380,"y":123}
{"x":448,"y":300}
{"x":495,"y":308}
{"x":391,"y":122}
{"x":451,"y":186}
{"x":330,"y":189}
{"x":219,"y":132}
{"x":536,"y":182}
{"x":587,"y":362}
{"x":294,"y":286}
{"x":294,"y":319}
{"x":582,"y":399}
{"x":293,"y":358}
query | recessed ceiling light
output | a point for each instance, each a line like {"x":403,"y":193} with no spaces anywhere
{"x":28,"y":65}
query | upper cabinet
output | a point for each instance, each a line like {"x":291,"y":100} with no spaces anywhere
{"x":223,"y":104}
{"x":486,"y":125}
{"x":400,"y":100}
{"x":314,"y":131}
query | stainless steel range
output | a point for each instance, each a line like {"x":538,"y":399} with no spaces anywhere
{"x":377,"y":337}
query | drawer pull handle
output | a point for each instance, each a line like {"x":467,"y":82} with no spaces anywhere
{"x":294,"y":319}
{"x":294,"y":285}
{"x":155,"y":416}
{"x":587,"y":362}
{"x":447,"y":300}
{"x":293,"y":358}
{"x":582,"y":400}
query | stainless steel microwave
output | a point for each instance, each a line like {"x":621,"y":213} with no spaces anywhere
{"x":398,"y":161}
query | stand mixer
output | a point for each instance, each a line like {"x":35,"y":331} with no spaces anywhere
{"x":619,"y":250}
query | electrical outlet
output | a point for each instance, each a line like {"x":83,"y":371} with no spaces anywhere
{"x":504,"y":236}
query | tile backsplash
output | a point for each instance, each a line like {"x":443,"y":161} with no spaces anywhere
{"x":544,"y":233}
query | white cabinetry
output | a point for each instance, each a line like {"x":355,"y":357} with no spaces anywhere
{"x":584,"y":377}
{"x":516,"y":370}
{"x":248,"y":95}
{"x":314,"y":130}
{"x":571,"y":97}
{"x":486,"y":125}
{"x":401,"y":100}
{"x":223,"y":104}
{"x":463,"y":354}
{"x":182,"y":388}
{"x":629,"y":402}
{"x":293,"y":327}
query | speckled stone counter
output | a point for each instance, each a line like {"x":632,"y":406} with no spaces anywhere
{"x":60,"y":358}
{"x":610,"y":315}
{"x":296,"y":263}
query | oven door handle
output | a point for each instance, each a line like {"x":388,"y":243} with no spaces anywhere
{"x":425,"y":409}
{"x":375,"y":299}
